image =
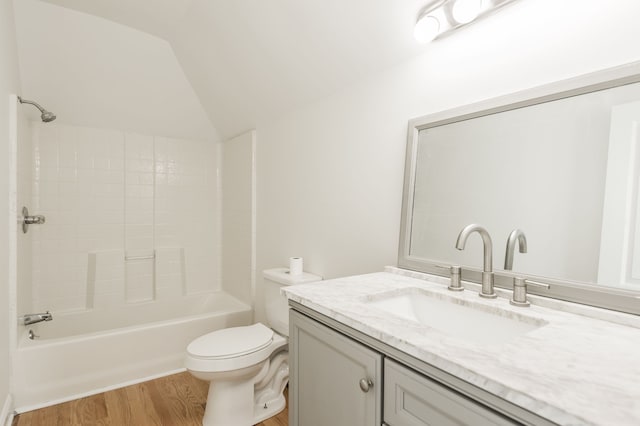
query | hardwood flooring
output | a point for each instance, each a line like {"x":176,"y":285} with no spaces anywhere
{"x":176,"y":400}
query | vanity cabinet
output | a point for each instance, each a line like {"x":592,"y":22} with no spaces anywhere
{"x":333,"y":380}
{"x":336,"y":380}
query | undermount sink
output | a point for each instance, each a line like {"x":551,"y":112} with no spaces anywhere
{"x":458,"y":318}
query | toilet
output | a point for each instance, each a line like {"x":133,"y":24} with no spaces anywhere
{"x":247,"y":367}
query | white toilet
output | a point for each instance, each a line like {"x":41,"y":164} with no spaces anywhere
{"x":247,"y":367}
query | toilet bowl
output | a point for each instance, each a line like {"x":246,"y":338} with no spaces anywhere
{"x":247,"y":366}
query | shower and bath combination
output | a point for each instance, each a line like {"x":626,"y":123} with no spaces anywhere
{"x":28,"y":319}
{"x":45,"y":116}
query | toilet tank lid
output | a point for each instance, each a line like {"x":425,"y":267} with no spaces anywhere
{"x":282,"y":276}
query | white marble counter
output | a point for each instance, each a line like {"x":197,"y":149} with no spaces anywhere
{"x":574,"y":370}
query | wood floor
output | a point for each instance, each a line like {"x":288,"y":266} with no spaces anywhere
{"x":176,"y":400}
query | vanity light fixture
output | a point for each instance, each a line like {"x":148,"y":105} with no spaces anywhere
{"x":443,"y":16}
{"x":465,"y":11}
{"x":427,"y":28}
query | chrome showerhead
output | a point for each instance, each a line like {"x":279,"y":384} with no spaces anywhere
{"x":45,"y":116}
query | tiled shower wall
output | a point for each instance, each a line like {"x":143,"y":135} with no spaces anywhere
{"x":23,"y":241}
{"x":130,"y":218}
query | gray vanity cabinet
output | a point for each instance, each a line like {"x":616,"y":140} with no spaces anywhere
{"x":334,"y":380}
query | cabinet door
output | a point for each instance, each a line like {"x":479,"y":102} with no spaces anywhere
{"x":326,"y":371}
{"x":411,"y":399}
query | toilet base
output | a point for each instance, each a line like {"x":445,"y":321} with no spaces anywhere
{"x":238,"y":403}
{"x":270,"y":409}
{"x":229,"y":401}
{"x":269,"y":392}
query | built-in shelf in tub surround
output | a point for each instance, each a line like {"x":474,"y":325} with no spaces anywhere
{"x":572,"y":369}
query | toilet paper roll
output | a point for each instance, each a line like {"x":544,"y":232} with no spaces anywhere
{"x":295,"y":266}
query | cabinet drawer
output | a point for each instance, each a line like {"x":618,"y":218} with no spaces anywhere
{"x":411,"y":399}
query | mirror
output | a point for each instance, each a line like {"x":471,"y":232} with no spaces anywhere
{"x":560,"y":162}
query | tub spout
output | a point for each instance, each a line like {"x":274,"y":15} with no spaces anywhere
{"x":29,"y":319}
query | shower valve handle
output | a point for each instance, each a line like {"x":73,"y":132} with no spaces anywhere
{"x":28,"y":219}
{"x":37,"y":219}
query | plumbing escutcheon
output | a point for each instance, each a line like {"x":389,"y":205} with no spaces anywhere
{"x":519,"y":297}
{"x":456,"y":274}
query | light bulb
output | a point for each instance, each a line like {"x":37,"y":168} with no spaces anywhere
{"x":426,"y":29}
{"x":465,"y":11}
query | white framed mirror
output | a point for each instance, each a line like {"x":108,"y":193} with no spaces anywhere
{"x":560,"y":162}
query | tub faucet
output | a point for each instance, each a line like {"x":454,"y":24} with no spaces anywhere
{"x":29,"y":319}
{"x":515,"y":235}
{"x":487,"y":270}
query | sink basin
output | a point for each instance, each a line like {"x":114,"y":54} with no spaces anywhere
{"x":458,"y":318}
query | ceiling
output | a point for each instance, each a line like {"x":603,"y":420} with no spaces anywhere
{"x":253,"y":60}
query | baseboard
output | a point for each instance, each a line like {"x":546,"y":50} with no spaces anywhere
{"x":6,"y":416}
{"x":20,"y":410}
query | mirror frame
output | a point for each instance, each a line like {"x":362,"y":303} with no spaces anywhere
{"x":573,"y":291}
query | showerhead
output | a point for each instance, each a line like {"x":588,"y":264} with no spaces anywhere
{"x":45,"y":116}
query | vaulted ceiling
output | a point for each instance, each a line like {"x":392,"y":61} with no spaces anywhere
{"x":252,"y":60}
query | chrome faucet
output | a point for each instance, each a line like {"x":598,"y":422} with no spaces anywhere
{"x":515,"y":235}
{"x":487,"y":271}
{"x":29,"y":319}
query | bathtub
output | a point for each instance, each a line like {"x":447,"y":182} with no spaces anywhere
{"x":86,"y":352}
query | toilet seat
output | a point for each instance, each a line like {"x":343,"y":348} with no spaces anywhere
{"x":231,"y":342}
{"x":226,"y":350}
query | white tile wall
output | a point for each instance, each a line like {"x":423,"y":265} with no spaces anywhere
{"x":24,"y":184}
{"x":187,"y":210}
{"x":109,"y":194}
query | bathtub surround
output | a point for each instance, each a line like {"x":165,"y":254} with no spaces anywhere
{"x":120,"y":213}
{"x":130,"y":253}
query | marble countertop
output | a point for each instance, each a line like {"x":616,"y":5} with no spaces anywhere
{"x":580,"y":367}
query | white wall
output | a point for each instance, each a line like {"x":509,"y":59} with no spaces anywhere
{"x":237,"y":216}
{"x":329,"y":176}
{"x":8,"y":85}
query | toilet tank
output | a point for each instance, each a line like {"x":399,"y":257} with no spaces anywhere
{"x":276,"y":307}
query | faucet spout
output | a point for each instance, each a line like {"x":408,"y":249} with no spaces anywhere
{"x":516,"y":235}
{"x":487,"y":270}
{"x":29,"y":319}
